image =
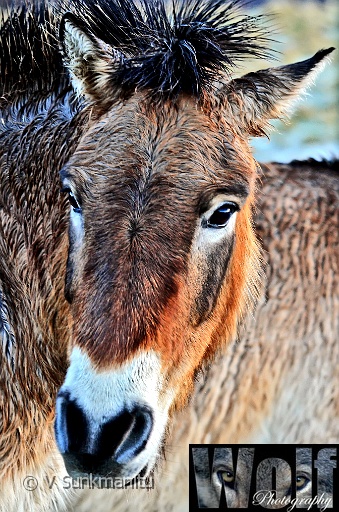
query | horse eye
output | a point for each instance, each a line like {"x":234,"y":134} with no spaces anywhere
{"x":72,"y":200}
{"x":301,"y":482}
{"x":226,"y":477}
{"x":222,"y":215}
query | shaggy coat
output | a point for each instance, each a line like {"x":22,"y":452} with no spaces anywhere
{"x":279,"y":383}
{"x":118,"y":286}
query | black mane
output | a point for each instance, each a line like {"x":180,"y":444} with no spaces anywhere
{"x":332,"y":164}
{"x":30,"y":59}
{"x":176,"y":45}
{"x":168,"y":46}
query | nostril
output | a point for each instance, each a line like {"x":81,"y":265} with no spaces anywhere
{"x":136,"y":439}
{"x":90,"y":446}
{"x":71,"y":425}
{"x":76,"y":428}
{"x":113,"y":432}
{"x":125,"y":435}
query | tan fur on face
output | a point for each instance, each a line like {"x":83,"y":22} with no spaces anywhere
{"x":279,"y":383}
{"x":157,"y":170}
{"x":141,"y":164}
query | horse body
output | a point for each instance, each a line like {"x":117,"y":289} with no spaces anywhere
{"x":161,"y":260}
{"x":279,"y":383}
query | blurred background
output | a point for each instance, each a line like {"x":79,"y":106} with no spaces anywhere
{"x":302,"y":28}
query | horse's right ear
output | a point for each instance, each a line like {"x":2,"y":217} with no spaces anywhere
{"x":254,"y":99}
{"x":90,"y":62}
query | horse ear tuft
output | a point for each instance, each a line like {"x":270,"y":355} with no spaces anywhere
{"x":256,"y":98}
{"x":90,"y":62}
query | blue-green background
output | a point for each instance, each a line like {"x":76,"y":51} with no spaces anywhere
{"x":304,"y":27}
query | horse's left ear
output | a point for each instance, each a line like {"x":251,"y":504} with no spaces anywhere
{"x":254,"y":99}
{"x":90,"y":61}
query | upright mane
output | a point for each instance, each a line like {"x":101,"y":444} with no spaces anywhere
{"x":173,"y":47}
{"x":30,"y":59}
{"x":165,"y":47}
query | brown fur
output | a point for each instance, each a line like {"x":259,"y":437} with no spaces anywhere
{"x":143,"y":170}
{"x":279,"y":383}
{"x":170,"y":151}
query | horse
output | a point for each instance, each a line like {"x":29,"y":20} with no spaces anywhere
{"x":278,"y":383}
{"x":116,"y":292}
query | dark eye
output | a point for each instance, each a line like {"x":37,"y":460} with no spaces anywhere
{"x":222,"y":215}
{"x":72,"y":200}
{"x":301,"y":482}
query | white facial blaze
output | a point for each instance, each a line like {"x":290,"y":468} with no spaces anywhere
{"x":103,"y":395}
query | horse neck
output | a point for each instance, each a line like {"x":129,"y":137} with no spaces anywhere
{"x":34,"y":316}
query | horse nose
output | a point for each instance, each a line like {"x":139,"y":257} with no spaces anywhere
{"x":100,"y":447}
